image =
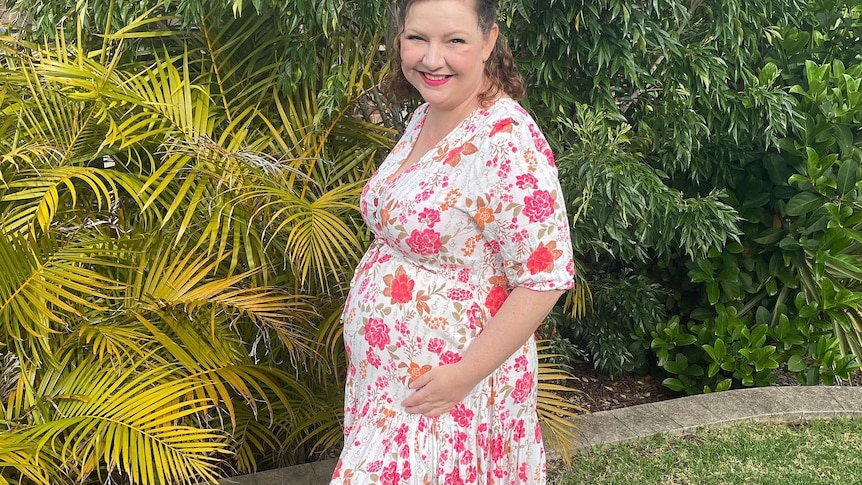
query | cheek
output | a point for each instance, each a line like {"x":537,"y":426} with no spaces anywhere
{"x":410,"y":56}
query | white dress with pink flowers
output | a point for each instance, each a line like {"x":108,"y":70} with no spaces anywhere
{"x":476,"y":216}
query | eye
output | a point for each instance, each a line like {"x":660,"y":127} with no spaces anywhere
{"x":458,"y":40}
{"x":413,"y":37}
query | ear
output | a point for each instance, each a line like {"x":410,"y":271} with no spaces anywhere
{"x":490,"y":41}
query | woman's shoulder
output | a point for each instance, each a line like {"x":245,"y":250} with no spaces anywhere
{"x":508,"y":116}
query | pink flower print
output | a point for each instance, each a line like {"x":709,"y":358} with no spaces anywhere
{"x":523,"y":386}
{"x":521,"y":363}
{"x":539,"y":206}
{"x":380,"y":382}
{"x":376,"y":333}
{"x":482,"y":436}
{"x":522,"y":472}
{"x":520,"y":431}
{"x":454,"y":477}
{"x":476,"y":316}
{"x":405,"y":471}
{"x":520,"y":236}
{"x":466,"y":457}
{"x":541,"y":144}
{"x":429,"y":217}
{"x":527,"y":181}
{"x":372,"y":358}
{"x":450,"y":357}
{"x":459,"y":294}
{"x":495,"y":299}
{"x":436,"y":345}
{"x":471,"y":474}
{"x":390,"y":474}
{"x":505,"y":168}
{"x":462,"y":415}
{"x":497,"y":448}
{"x":375,"y":466}
{"x":464,"y":275}
{"x":424,"y":242}
{"x":460,"y":438}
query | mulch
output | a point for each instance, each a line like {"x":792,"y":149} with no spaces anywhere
{"x":596,"y":391}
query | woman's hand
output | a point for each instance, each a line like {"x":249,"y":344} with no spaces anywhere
{"x":438,"y":391}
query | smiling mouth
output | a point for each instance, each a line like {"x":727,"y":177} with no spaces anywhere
{"x":436,"y":77}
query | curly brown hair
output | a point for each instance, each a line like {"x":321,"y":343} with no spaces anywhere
{"x":500,"y":70}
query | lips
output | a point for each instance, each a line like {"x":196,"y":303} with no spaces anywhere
{"x":435,"y":79}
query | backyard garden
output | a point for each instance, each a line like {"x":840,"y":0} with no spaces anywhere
{"x":179,"y":183}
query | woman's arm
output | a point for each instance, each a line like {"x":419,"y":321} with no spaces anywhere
{"x":438,"y":390}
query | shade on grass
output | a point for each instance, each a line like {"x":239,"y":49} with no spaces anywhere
{"x":809,"y":453}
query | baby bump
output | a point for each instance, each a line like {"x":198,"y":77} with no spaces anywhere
{"x":401,"y":321}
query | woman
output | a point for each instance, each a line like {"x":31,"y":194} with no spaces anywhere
{"x":471,"y":252}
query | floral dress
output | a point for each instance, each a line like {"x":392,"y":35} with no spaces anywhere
{"x":476,"y":216}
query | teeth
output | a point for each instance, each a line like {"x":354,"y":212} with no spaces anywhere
{"x":436,"y":77}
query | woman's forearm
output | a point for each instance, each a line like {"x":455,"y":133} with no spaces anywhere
{"x":516,"y":320}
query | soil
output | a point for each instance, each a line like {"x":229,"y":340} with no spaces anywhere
{"x":598,"y":392}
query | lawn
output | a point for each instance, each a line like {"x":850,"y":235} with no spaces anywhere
{"x":808,"y":453}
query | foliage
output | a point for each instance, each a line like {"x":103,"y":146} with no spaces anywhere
{"x":173,"y":228}
{"x":709,"y":149}
{"x":790,"y":294}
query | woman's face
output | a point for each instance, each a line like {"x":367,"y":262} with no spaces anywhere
{"x":443,"y":51}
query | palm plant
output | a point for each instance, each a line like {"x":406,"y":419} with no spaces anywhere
{"x":172,"y":226}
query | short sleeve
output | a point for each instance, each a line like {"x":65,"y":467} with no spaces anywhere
{"x":520,"y":207}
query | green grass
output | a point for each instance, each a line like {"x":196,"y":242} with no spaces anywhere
{"x":818,"y":452}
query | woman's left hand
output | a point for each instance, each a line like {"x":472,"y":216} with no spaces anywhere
{"x":438,"y":391}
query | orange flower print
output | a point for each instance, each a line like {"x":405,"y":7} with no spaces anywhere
{"x":504,"y":125}
{"x":415,"y":371}
{"x":451,"y":199}
{"x":453,"y":158}
{"x":495,"y":299}
{"x":399,"y":286}
{"x":542,"y":259}
{"x":470,"y":245}
{"x":484,"y":214}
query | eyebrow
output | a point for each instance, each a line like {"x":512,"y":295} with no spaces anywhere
{"x":461,"y":33}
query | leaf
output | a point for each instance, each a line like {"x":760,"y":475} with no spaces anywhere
{"x":847,"y":177}
{"x":796,"y":363}
{"x":803,"y":203}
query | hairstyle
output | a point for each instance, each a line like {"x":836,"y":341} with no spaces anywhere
{"x":500,"y":69}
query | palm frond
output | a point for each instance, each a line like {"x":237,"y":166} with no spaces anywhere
{"x":38,"y":194}
{"x":556,"y":414}
{"x":218,"y":366}
{"x":17,"y":454}
{"x":319,"y":240}
{"x":43,"y":280}
{"x":132,"y":422}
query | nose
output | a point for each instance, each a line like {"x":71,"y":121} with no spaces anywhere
{"x":434,"y":58}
